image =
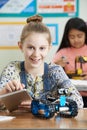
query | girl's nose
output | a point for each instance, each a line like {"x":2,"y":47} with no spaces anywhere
{"x":76,"y":39}
{"x":36,"y":52}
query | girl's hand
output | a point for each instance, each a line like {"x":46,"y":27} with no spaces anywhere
{"x":26,"y":105}
{"x":83,"y":93}
{"x":62,"y":61}
{"x":12,"y":85}
{"x":84,"y":76}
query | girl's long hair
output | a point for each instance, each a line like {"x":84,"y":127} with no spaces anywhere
{"x":73,"y":23}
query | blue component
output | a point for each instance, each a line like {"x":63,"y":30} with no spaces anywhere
{"x":62,"y":100}
{"x":47,"y":113}
{"x":36,"y":106}
{"x":56,"y":107}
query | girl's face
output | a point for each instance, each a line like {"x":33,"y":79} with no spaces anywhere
{"x":35,"y":49}
{"x":76,"y":38}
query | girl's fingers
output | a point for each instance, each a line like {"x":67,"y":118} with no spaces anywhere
{"x":26,"y":103}
{"x":14,"y":86}
{"x":17,"y":85}
{"x":8,"y":88}
{"x":11,"y":85}
{"x":21,"y":86}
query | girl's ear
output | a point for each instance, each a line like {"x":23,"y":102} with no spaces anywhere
{"x":20,"y":45}
{"x":50,"y":47}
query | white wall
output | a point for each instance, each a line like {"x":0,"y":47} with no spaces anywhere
{"x":11,"y":55}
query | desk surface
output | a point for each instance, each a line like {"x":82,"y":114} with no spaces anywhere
{"x":28,"y":121}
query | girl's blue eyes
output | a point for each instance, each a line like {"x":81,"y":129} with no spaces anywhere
{"x":32,"y":48}
{"x":42,"y":48}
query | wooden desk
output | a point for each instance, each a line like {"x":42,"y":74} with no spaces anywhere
{"x":28,"y":121}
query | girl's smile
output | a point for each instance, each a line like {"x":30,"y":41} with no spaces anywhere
{"x":35,"y":49}
{"x":35,"y":61}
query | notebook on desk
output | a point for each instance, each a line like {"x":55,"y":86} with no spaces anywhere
{"x":13,"y":99}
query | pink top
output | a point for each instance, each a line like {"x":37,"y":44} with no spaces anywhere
{"x":71,"y":53}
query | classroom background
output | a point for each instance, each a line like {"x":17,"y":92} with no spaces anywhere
{"x":10,"y":28}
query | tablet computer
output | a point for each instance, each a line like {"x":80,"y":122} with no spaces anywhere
{"x":12,"y":100}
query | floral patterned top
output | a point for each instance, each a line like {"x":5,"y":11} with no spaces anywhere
{"x":56,"y":77}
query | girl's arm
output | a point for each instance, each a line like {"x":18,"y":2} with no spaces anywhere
{"x":10,"y":79}
{"x":63,"y":81}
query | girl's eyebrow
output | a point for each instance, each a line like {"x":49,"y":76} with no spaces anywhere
{"x":45,"y":45}
{"x":29,"y":44}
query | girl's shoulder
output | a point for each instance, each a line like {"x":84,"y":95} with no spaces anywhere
{"x":13,"y":65}
{"x":55,"y":67}
{"x":56,"y":71}
{"x":63,"y":51}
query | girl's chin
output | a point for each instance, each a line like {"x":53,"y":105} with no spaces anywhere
{"x":35,"y":64}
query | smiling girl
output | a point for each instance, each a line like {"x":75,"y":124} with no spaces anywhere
{"x":33,"y":73}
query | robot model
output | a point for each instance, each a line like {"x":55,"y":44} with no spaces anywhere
{"x":50,"y":106}
{"x":78,"y":74}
